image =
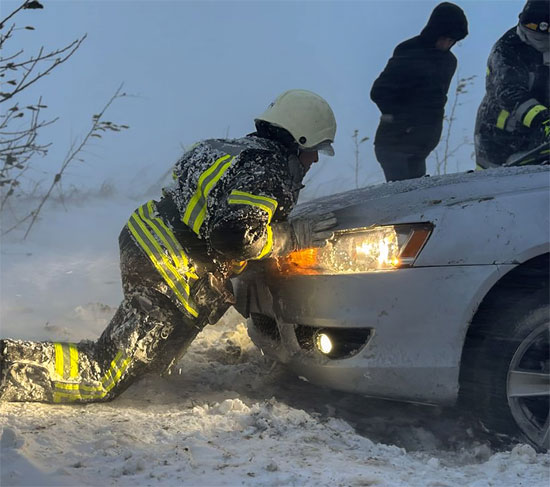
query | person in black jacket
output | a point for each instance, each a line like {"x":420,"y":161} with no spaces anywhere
{"x":411,"y":93}
{"x":513,"y":117}
{"x":228,"y":204}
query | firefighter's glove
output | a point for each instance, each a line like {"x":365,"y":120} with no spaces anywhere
{"x":212,"y":294}
{"x":302,"y":234}
{"x":313,"y":232}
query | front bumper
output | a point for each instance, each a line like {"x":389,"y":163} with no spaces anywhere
{"x":417,"y":320}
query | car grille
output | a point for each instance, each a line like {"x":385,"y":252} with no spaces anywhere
{"x":266,"y":326}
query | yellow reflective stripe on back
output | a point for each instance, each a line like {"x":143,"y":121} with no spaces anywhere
{"x":161,"y":263}
{"x":502,"y":117}
{"x":202,"y":214}
{"x":196,"y":209}
{"x":531,"y":114}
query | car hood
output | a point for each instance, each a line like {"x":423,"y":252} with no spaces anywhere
{"x":410,"y":200}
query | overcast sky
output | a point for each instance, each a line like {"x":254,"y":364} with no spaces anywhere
{"x":200,"y":69}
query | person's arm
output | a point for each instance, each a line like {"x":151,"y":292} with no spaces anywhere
{"x":510,"y":79}
{"x":393,"y":88}
{"x":241,"y":228}
{"x":247,"y":225}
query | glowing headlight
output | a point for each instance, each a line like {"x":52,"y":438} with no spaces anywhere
{"x":361,"y":250}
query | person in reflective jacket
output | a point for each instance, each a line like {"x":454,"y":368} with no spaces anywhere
{"x":228,"y":204}
{"x":411,"y":94}
{"x":513,"y":117}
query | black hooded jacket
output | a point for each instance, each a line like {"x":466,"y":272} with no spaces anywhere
{"x":413,"y":86}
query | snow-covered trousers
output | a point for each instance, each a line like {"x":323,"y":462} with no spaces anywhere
{"x":148,"y":333}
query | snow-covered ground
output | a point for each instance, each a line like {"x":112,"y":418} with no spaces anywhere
{"x":226,"y":415}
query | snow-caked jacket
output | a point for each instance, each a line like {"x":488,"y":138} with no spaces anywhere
{"x":219,"y":211}
{"x":516,"y":101}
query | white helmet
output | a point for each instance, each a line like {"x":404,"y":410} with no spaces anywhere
{"x":306,"y":116}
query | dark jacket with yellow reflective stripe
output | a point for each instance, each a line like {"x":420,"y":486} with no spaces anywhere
{"x":228,"y":192}
{"x":176,"y":257}
{"x":516,"y":101}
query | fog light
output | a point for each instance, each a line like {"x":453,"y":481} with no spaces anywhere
{"x":323,"y":343}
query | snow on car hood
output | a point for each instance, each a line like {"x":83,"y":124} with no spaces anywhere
{"x":395,"y":201}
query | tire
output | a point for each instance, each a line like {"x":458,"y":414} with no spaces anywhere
{"x":505,"y":374}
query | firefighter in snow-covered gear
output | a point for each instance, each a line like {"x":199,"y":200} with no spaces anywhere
{"x":513,"y":117}
{"x":228,"y":204}
{"x":411,"y":93}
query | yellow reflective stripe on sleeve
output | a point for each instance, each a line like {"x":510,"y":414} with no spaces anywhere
{"x":66,"y":360}
{"x":195,"y":212}
{"x":531,"y":114}
{"x":74,"y":391}
{"x":268,"y":247}
{"x":269,"y":205}
{"x":160,"y":261}
{"x":502,"y":117}
{"x":488,"y":71}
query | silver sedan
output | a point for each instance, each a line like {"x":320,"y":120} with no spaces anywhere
{"x":432,"y":290}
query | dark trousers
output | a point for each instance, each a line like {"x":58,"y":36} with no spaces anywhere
{"x":400,"y":165}
{"x":148,"y":333}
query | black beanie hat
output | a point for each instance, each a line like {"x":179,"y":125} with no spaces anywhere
{"x":536,"y":15}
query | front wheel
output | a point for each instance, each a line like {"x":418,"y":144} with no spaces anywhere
{"x":528,"y":382}
{"x":505,"y":377}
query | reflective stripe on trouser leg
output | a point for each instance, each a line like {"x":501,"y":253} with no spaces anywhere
{"x":66,"y":360}
{"x":166,"y":254}
{"x":65,"y":391}
{"x":57,"y":372}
